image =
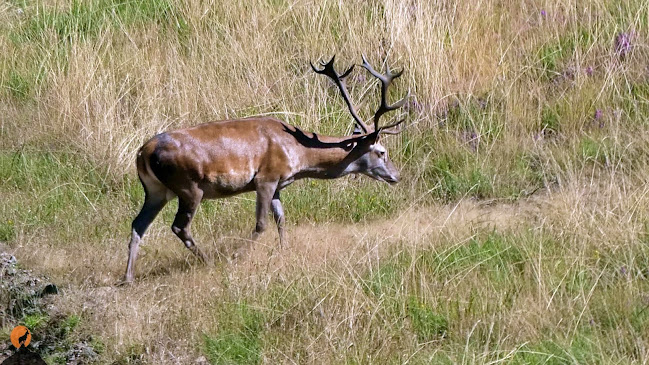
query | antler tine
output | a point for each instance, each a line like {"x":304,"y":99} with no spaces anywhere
{"x":384,"y":107}
{"x":385,"y":130}
{"x":346,"y":73}
{"x":339,"y":80}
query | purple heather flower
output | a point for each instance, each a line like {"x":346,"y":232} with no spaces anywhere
{"x":413,"y":9}
{"x":623,"y":271}
{"x":598,"y":114}
{"x":543,"y":13}
{"x":414,"y":105}
{"x":472,"y":139}
{"x":623,"y":44}
{"x":589,"y":70}
{"x":568,"y":74}
{"x":418,"y":107}
{"x":565,"y":75}
{"x":598,"y":117}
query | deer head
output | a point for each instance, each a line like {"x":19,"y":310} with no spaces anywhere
{"x":369,"y":156}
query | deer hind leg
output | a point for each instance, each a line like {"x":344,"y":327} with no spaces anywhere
{"x":278,"y":214}
{"x":156,"y":197}
{"x":187,"y":206}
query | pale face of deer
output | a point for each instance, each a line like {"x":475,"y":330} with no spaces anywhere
{"x":376,"y":164}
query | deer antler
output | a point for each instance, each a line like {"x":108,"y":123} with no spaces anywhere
{"x":339,"y":80}
{"x":384,"y":107}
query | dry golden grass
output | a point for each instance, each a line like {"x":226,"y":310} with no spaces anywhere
{"x":175,"y":300}
{"x":519,"y":234}
{"x":168,"y":308}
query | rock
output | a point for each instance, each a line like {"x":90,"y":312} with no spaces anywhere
{"x":201,"y":361}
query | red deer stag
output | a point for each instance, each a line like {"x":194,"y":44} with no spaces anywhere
{"x":262,"y":154}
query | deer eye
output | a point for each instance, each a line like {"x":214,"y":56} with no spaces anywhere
{"x":381,"y":153}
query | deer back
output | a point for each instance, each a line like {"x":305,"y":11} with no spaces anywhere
{"x":222,"y":158}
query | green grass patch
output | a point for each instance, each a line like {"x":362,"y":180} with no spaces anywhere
{"x":550,"y":120}
{"x":427,"y":324}
{"x":597,"y":151}
{"x":19,"y":85}
{"x":553,"y":54}
{"x":479,"y":116}
{"x":451,"y":173}
{"x":615,"y":310}
{"x":7,"y":230}
{"x":238,"y":339}
{"x":84,"y":20}
{"x":634,"y":103}
{"x":443,"y":168}
{"x":387,"y":279}
{"x":45,"y":188}
{"x":70,"y":323}
{"x":35,"y":321}
{"x":582,"y":349}
{"x":495,"y":255}
{"x":35,"y":170}
{"x":44,"y":35}
{"x":321,"y":201}
{"x":454,"y":177}
{"x":527,"y":175}
{"x":628,"y":14}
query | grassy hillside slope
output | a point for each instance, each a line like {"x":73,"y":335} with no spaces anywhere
{"x":519,"y":233}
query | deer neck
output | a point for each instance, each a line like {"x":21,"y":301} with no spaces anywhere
{"x":333,"y":157}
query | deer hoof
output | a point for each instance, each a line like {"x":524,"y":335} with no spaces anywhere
{"x":124,"y":282}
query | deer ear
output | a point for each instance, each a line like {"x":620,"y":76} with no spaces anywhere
{"x":368,"y":140}
{"x":362,"y":141}
{"x":374,"y":136}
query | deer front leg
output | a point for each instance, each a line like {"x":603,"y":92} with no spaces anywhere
{"x":265,"y":191}
{"x":278,"y":214}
